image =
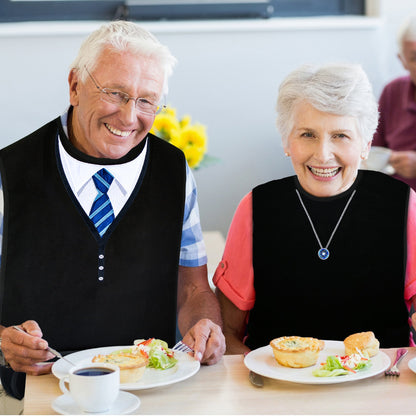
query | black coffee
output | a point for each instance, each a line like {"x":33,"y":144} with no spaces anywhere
{"x":93,"y":371}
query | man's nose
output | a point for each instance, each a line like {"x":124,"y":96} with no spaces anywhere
{"x":129,"y":111}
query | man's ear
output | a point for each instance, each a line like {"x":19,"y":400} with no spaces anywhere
{"x":73,"y":81}
{"x":403,"y":61}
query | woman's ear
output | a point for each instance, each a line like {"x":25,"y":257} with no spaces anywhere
{"x":286,"y":150}
{"x":366,"y":151}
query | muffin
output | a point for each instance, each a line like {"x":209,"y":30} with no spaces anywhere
{"x":131,"y":366}
{"x":296,"y":352}
{"x":364,"y":342}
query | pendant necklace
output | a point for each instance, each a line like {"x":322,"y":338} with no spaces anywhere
{"x":323,"y":252}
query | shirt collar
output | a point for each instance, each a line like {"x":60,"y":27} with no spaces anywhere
{"x":81,"y":172}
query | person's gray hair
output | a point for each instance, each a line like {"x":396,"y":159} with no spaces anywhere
{"x":340,"y":89}
{"x":121,"y":36}
{"x":406,"y":32}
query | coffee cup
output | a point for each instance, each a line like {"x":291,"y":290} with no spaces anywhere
{"x":93,"y":387}
{"x":378,"y":159}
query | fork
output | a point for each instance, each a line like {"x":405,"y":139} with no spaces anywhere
{"x":54,"y":352}
{"x":182,"y":347}
{"x":394,"y":370}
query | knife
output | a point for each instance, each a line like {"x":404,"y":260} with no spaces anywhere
{"x":256,"y":379}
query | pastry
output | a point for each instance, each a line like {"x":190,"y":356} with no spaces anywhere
{"x":364,"y":342}
{"x":296,"y":351}
{"x":131,"y":365}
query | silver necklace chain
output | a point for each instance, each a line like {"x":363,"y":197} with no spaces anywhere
{"x":323,"y":252}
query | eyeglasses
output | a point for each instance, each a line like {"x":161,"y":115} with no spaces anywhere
{"x":120,"y":98}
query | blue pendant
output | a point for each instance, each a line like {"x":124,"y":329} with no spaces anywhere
{"x":323,"y":253}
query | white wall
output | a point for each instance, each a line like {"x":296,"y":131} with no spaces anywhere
{"x":227,"y":79}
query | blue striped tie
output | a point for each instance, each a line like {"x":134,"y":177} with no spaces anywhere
{"x":102,"y":214}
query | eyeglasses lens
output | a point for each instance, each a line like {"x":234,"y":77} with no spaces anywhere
{"x":119,"y":98}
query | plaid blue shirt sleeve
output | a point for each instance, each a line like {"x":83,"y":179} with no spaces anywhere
{"x":193,"y":252}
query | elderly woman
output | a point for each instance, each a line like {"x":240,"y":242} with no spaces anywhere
{"x":330,"y":251}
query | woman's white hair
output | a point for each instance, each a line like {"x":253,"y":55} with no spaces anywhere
{"x":406,"y":32}
{"x":122,"y":36}
{"x":341,"y":89}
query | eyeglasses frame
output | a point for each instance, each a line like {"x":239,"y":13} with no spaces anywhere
{"x":128,"y":97}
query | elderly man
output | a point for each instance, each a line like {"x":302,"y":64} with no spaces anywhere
{"x":397,"y":105}
{"x":102,"y":241}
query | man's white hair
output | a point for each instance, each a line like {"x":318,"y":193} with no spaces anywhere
{"x":122,"y":36}
{"x":406,"y":32}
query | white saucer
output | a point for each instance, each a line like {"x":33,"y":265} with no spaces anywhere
{"x":124,"y":404}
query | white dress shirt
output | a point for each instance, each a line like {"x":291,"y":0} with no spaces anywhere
{"x":79,"y":175}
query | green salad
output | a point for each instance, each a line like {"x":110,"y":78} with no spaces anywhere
{"x":160,"y":355}
{"x":336,"y":365}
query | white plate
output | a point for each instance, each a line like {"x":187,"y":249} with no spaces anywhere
{"x":412,"y":364}
{"x":124,"y":404}
{"x":185,"y":368}
{"x":262,"y":361}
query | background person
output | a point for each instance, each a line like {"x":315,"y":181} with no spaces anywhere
{"x":397,"y":106}
{"x":73,"y":279}
{"x":321,"y":253}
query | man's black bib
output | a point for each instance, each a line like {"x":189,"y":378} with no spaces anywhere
{"x":360,"y":287}
{"x":53,"y":257}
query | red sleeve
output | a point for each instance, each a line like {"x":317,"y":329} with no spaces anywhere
{"x":234,"y":275}
{"x":410,"y":285}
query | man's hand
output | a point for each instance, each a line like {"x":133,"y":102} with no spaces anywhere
{"x":207,"y":341}
{"x":25,"y":352}
{"x":404,"y":163}
{"x":199,"y":315}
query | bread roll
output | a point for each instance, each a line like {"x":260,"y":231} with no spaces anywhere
{"x":132,"y":366}
{"x":296,"y":351}
{"x":365,"y":342}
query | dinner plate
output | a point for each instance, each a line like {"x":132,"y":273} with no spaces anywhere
{"x":186,"y":367}
{"x":262,"y":362}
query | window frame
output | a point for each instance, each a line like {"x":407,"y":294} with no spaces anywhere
{"x":65,"y":10}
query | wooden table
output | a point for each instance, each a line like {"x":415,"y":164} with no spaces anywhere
{"x":225,"y":389}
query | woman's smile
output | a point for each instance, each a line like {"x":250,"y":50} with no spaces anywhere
{"x":324,"y":173}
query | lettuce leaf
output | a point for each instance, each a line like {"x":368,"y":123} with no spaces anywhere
{"x":333,"y":367}
{"x":160,"y":356}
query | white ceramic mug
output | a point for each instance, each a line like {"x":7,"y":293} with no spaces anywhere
{"x":378,"y":159}
{"x":94,"y":387}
